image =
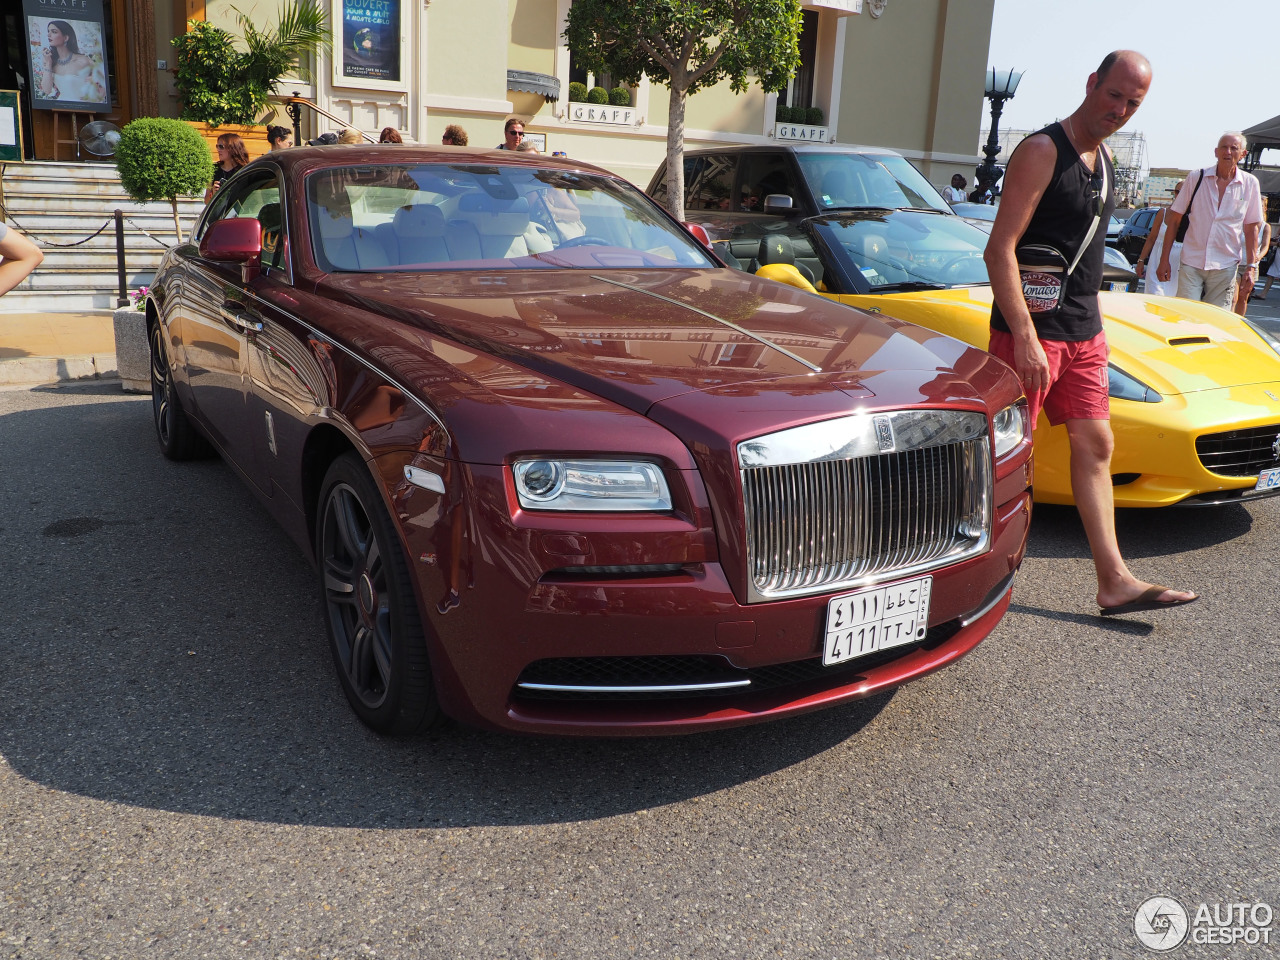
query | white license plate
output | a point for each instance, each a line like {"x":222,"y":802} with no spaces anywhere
{"x":876,"y":619}
{"x":1118,"y":286}
{"x":1268,"y":479}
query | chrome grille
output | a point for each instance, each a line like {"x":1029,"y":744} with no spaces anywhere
{"x":886,"y":496}
{"x":1240,"y":453}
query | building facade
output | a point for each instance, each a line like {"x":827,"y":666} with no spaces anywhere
{"x":906,"y":74}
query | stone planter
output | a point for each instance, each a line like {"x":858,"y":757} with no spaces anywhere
{"x":133,"y":352}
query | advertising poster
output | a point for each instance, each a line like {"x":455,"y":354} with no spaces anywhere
{"x":66,"y":53}
{"x":371,"y":40}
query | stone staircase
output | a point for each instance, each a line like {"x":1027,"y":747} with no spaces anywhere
{"x":61,"y":203}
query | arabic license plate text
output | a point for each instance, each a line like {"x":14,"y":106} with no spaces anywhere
{"x":876,"y":619}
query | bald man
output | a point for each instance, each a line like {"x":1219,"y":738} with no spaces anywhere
{"x":1059,"y":187}
{"x":1225,"y":205}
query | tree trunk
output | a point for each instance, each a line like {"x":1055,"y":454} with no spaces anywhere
{"x":177,"y":227}
{"x":675,"y":150}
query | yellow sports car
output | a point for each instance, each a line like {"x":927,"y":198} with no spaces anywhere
{"x":1195,"y":390}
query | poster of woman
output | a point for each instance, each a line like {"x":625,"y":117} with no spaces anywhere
{"x":67,"y":61}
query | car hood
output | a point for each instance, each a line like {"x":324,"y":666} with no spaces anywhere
{"x":638,"y":338}
{"x":1172,"y":345}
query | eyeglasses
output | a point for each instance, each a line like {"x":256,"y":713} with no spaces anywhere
{"x":221,"y":146}
{"x":515,"y":133}
{"x":1095,"y":190}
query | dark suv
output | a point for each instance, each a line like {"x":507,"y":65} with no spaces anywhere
{"x":1133,"y":235}
{"x":728,"y":185}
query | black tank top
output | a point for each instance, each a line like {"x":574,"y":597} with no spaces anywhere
{"x":1061,"y":220}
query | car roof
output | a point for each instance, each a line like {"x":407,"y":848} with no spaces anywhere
{"x":306,"y":159}
{"x":833,"y":148}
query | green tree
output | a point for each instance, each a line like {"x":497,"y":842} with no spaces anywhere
{"x":219,"y":84}
{"x":687,"y":45}
{"x":163,"y":159}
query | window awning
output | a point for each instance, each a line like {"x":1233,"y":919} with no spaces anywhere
{"x":841,"y":8}
{"x":526,"y":81}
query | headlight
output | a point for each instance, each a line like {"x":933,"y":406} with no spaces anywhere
{"x":1268,"y":329}
{"x":591,"y":485}
{"x":1009,"y":427}
{"x":1125,"y":387}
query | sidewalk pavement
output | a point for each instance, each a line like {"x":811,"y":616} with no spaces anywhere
{"x":40,"y":348}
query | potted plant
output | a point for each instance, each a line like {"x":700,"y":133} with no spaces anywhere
{"x":163,"y":159}
{"x":133,"y":350}
{"x":221,"y":86}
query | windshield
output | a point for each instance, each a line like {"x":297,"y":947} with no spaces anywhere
{"x":417,"y":217}
{"x":854,"y":180}
{"x":906,"y":247}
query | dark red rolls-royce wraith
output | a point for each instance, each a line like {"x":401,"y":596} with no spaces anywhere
{"x":562,"y":471}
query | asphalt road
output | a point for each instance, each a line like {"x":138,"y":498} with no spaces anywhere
{"x":180,"y":775}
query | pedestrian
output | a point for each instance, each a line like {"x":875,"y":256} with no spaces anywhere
{"x":18,"y":257}
{"x":350,"y":135}
{"x":1158,"y":237}
{"x":390,"y":135}
{"x":956,"y":192}
{"x":280,"y":138}
{"x":1224,"y":207}
{"x":454,"y":136}
{"x":528,"y":146}
{"x":232,"y":155}
{"x":1245,"y":280}
{"x":324,"y":140}
{"x":1273,"y":273}
{"x":512,"y":133}
{"x":1059,"y":192}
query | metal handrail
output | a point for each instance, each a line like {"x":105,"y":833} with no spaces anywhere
{"x":293,"y":106}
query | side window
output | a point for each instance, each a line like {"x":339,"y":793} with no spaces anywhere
{"x":259,"y":198}
{"x":708,"y":182}
{"x":763,"y":174}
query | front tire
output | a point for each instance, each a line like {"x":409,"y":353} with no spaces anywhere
{"x":178,"y":437}
{"x":375,"y":629}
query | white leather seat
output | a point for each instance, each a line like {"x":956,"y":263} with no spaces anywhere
{"x":501,"y":224}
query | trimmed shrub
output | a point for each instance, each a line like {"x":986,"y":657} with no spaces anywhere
{"x":597,"y":95}
{"x":785,"y":114}
{"x":577,"y":92}
{"x":163,"y":159}
{"x":620,"y":97}
{"x":813,"y":116}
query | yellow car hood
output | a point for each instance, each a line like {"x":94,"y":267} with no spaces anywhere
{"x":1174,"y":346}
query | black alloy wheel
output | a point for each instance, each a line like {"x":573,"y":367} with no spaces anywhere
{"x":375,"y":629}
{"x":178,"y":437}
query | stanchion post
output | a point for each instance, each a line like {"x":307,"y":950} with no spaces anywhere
{"x":122,"y":299}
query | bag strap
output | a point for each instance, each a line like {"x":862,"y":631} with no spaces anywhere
{"x":1097,"y":217}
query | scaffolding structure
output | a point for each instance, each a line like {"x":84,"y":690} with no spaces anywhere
{"x":1129,"y":151}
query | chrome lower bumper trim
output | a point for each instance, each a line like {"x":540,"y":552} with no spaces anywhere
{"x":665,"y":688}
{"x":993,"y":598}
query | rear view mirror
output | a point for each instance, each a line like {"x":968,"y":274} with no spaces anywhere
{"x":235,"y":240}
{"x":779,"y":203}
{"x":786,"y":273}
{"x":699,"y":233}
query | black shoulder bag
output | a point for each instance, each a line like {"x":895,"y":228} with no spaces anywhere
{"x":1186,"y":217}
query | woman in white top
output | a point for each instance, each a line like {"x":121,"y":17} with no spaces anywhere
{"x":67,"y":73}
{"x":955,"y":193}
{"x":1157,"y":236}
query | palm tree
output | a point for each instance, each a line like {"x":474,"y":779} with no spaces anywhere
{"x":272,"y":53}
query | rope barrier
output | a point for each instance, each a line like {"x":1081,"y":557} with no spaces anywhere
{"x":50,"y":243}
{"x":162,"y":243}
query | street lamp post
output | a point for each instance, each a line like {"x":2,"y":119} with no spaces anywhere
{"x":1001,"y":86}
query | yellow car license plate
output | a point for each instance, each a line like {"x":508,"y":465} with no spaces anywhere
{"x":1267,"y":480}
{"x":876,"y":619}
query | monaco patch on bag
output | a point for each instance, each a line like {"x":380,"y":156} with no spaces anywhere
{"x":1043,"y":270}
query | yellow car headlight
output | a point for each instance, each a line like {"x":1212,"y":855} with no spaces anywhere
{"x":1122,"y":386}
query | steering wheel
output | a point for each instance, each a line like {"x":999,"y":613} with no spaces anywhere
{"x":584,"y":241}
{"x":955,"y":266}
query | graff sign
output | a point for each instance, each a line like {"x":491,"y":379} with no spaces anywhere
{"x":593,"y":113}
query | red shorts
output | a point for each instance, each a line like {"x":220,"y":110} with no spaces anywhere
{"x":1077,"y":378}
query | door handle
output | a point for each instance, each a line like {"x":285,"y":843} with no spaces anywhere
{"x":242,"y":321}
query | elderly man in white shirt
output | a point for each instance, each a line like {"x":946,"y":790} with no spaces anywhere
{"x":1226,"y":217}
